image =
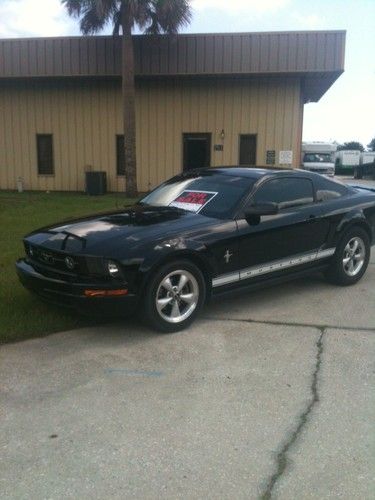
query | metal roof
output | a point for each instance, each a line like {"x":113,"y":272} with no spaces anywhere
{"x":316,"y":56}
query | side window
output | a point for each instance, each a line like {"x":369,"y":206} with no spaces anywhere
{"x":286,"y":192}
{"x":329,"y":190}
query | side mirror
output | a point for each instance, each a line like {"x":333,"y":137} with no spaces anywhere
{"x":260,"y":209}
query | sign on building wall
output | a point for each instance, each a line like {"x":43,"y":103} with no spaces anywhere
{"x":270,"y":157}
{"x":286,"y":157}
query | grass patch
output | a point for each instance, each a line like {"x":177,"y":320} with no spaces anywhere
{"x":21,"y":314}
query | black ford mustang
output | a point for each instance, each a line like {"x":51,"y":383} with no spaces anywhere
{"x":200,"y":234}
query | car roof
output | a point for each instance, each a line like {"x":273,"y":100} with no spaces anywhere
{"x":250,"y":172}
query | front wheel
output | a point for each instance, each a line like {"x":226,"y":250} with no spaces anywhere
{"x":351,"y":258}
{"x":174,"y":296}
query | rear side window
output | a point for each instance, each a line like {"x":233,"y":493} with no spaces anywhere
{"x":286,"y":192}
{"x":329,"y":190}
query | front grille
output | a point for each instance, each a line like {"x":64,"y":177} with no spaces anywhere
{"x":71,"y":264}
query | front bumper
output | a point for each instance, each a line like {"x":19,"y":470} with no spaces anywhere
{"x":72,"y":294}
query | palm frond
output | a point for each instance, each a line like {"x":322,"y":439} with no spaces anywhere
{"x":170,"y":15}
{"x":116,"y":23}
{"x":153,"y":16}
{"x":141,"y":12}
{"x":106,"y":8}
{"x":93,"y":14}
{"x":91,"y":23}
{"x":73,"y":7}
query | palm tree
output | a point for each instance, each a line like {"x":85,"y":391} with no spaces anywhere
{"x":151,"y":16}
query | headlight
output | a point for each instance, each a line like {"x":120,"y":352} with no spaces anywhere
{"x":113,"y":268}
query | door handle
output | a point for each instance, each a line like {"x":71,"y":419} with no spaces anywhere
{"x":311,"y":218}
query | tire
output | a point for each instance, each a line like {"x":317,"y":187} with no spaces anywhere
{"x":164,"y":307}
{"x":351,"y":258}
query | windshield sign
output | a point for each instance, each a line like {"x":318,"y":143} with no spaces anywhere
{"x":193,"y":201}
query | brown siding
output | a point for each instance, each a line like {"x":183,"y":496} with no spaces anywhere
{"x":317,"y":56}
{"x":84,"y":118}
{"x":162,"y":55}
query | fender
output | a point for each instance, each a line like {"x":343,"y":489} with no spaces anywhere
{"x":352,"y":218}
{"x":173,"y":249}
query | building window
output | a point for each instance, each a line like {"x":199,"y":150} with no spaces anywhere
{"x":120,"y":155}
{"x":248,"y":149}
{"x":44,"y":146}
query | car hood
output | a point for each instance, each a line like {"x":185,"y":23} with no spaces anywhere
{"x":130,"y":227}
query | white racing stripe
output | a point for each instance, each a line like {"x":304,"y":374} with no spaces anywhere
{"x":270,"y":267}
{"x":226,"y":278}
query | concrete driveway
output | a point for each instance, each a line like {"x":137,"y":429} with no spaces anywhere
{"x":268,"y":395}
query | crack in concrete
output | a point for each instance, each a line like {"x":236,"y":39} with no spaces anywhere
{"x":282,"y":456}
{"x":289,"y":323}
{"x":282,"y":461}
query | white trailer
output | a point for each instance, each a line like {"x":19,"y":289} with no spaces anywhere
{"x":347,"y":160}
{"x":319,"y":157}
{"x":367,"y":157}
{"x":366,"y":165}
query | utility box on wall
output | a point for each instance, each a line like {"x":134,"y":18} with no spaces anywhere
{"x":96,"y":183}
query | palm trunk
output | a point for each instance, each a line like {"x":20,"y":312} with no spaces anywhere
{"x":128,"y":96}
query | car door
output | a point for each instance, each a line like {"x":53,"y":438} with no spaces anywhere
{"x":288,"y":238}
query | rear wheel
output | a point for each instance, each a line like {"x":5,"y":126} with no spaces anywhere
{"x":351,"y":258}
{"x":174,"y":296}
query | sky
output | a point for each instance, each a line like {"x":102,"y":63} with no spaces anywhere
{"x":346,"y":112}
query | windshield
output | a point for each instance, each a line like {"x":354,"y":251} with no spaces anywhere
{"x":211,"y":194}
{"x":317,"y":158}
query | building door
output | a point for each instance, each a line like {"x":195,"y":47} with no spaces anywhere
{"x":197,"y":151}
{"x":248,"y":150}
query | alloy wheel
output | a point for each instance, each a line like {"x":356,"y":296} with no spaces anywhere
{"x":177,"y":296}
{"x":354,"y":256}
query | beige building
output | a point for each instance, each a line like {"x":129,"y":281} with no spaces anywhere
{"x":217,"y":99}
